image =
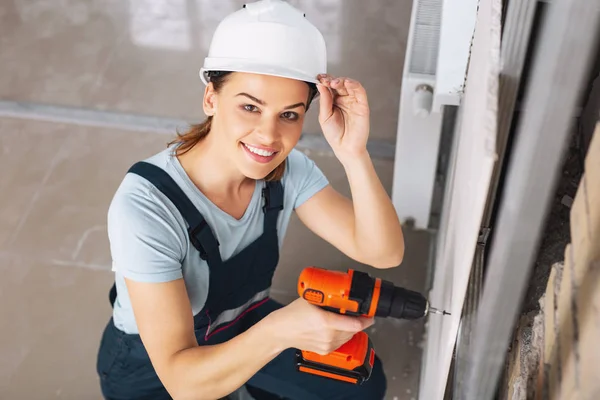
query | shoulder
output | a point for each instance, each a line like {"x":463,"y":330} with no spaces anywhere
{"x":297,"y":161}
{"x":299,"y":166}
{"x":136,"y":196}
{"x":139,"y":211}
{"x":147,"y":240}
{"x":302,"y":178}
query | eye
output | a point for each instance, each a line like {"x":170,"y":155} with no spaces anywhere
{"x":290,"y":115}
{"x":250,"y":108}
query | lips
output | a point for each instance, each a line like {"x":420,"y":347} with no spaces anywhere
{"x":260,"y":150}
{"x":260,"y":154}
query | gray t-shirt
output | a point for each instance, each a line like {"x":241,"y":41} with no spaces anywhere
{"x":148,"y":236}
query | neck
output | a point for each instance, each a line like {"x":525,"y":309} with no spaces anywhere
{"x":210,"y":172}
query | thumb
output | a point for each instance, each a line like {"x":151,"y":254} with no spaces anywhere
{"x":325,"y":103}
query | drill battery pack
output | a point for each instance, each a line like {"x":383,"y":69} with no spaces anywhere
{"x":352,"y":362}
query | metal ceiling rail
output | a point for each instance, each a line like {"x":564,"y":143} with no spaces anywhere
{"x":566,"y":43}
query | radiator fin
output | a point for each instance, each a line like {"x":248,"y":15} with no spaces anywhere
{"x":426,"y":38}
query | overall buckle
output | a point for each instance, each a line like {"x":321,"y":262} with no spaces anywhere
{"x":268,"y":206}
{"x":203,"y":239}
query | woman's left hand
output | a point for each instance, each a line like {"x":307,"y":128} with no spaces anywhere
{"x":344,"y":116}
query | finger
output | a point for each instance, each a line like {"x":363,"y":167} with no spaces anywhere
{"x":325,"y":79}
{"x":355,"y":89}
{"x":366,"y":322}
{"x":339,"y":86}
{"x":339,"y":343}
{"x":342,"y":337}
{"x":346,"y":323}
{"x":325,"y":102}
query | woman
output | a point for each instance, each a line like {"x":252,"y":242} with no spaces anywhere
{"x":195,"y":230}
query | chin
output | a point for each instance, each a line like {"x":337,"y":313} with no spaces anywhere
{"x":256,"y":173}
{"x":258,"y":168}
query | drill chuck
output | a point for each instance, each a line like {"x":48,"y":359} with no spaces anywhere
{"x":397,"y":302}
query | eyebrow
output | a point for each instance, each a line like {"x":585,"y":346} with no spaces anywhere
{"x":262,"y":103}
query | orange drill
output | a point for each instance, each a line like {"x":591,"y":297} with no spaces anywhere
{"x":358,"y":294}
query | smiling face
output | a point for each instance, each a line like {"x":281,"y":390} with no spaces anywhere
{"x":257,"y":120}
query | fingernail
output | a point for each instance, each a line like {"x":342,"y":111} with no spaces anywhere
{"x":335,"y":81}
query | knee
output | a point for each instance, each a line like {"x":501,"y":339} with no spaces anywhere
{"x":376,"y":387}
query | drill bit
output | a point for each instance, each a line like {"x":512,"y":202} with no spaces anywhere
{"x":436,"y":311}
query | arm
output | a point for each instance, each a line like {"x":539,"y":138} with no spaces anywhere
{"x":367,"y":228}
{"x":188,"y":371}
{"x":147,"y":246}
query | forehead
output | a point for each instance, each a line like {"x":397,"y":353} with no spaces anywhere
{"x":271,"y":89}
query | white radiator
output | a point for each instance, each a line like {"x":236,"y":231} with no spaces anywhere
{"x":435,"y":64}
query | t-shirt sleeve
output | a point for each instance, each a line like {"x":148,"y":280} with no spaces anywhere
{"x":306,"y":177}
{"x":145,"y":239}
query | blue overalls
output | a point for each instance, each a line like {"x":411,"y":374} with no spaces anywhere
{"x":123,"y":364}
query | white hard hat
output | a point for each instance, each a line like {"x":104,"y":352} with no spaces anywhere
{"x":267,"y":37}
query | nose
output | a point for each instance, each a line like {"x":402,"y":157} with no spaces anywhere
{"x":268,"y":131}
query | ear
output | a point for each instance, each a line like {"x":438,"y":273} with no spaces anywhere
{"x":209,"y":103}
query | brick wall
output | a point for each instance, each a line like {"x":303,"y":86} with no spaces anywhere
{"x":556,"y":350}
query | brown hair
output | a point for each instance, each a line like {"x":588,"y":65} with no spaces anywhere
{"x":197,"y":132}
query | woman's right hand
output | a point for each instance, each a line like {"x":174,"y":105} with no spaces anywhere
{"x":307,"y":327}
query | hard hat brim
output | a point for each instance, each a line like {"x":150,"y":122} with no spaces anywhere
{"x":258,"y":69}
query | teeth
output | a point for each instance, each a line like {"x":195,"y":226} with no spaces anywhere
{"x":260,"y":152}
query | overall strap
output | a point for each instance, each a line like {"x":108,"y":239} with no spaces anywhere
{"x":273,"y":195}
{"x":200,"y":234}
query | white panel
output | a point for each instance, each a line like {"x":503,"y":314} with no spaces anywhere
{"x":474,"y":160}
{"x":418,"y":137}
{"x":416,"y":157}
{"x":458,"y":24}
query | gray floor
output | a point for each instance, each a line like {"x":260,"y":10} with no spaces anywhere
{"x":56,"y":180}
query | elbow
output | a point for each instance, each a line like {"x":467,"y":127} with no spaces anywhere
{"x":189,"y":395}
{"x":182,"y":393}
{"x":389,"y":258}
{"x":208,"y":392}
{"x":181,"y":390}
{"x":206,"y":389}
{"x":381,"y":255}
{"x":188,"y":392}
{"x":392,"y":261}
{"x":180,"y":387}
